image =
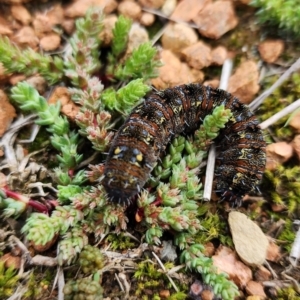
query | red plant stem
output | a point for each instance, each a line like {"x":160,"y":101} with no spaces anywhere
{"x":71,"y":173}
{"x":35,"y":204}
{"x":15,"y":195}
{"x":95,"y":123}
{"x":54,"y":203}
{"x":157,"y":202}
{"x":38,"y":206}
{"x":140,"y":213}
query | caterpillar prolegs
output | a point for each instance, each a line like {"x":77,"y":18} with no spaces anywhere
{"x":164,"y":114}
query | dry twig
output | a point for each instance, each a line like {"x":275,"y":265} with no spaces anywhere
{"x":210,"y":168}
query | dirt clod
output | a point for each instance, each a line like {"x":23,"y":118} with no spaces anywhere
{"x":254,"y":288}
{"x":244,"y":82}
{"x":177,"y":37}
{"x":7,"y":113}
{"x":216,"y":18}
{"x":270,"y":50}
{"x":198,"y":55}
{"x":227,"y":261}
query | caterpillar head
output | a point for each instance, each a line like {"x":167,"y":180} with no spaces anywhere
{"x":125,"y":173}
{"x":120,"y":188}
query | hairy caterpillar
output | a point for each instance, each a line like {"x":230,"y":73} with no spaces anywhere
{"x":164,"y":114}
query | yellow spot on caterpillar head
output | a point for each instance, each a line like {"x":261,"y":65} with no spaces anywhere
{"x":139,"y":157}
{"x":117,"y":150}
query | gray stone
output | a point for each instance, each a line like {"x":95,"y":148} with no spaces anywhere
{"x":250,"y":242}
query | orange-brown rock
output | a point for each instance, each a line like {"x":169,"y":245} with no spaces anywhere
{"x":183,"y":11}
{"x":5,"y":30}
{"x":296,"y":145}
{"x":262,"y":274}
{"x":5,"y":27}
{"x":55,"y":14}
{"x":7,"y":113}
{"x":216,"y":18}
{"x":270,"y":50}
{"x":209,"y":249}
{"x":277,"y":154}
{"x":15,"y":1}
{"x":164,"y":294}
{"x":137,"y":36}
{"x":177,"y":37}
{"x":38,"y":82}
{"x":197,"y":75}
{"x":295,"y":122}
{"x":68,"y":107}
{"x":50,"y":42}
{"x":106,"y":34}
{"x":68,"y":25}
{"x":152,"y":3}
{"x":45,"y":21}
{"x":199,"y":290}
{"x":26,"y":37}
{"x":174,"y":72}
{"x":227,"y":261}
{"x":147,"y":19}
{"x":244,"y":82}
{"x":219,"y":55}
{"x":214,"y":83}
{"x":169,"y":72}
{"x":14,"y":79}
{"x":3,"y":74}
{"x":11,"y":261}
{"x":41,"y":24}
{"x":130,"y":9}
{"x":80,"y":7}
{"x":273,"y":252}
{"x":278,"y":207}
{"x":254,"y":288}
{"x":168,"y":7}
{"x":198,"y":55}
{"x":20,"y":13}
{"x":207,"y":295}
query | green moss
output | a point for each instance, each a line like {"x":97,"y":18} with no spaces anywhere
{"x":287,"y":236}
{"x":288,"y":293}
{"x":38,"y":284}
{"x":282,"y":186}
{"x":214,"y":228}
{"x":281,"y":98}
{"x":284,"y":13}
{"x":151,"y":280}
{"x":120,"y":241}
{"x":8,"y":281}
